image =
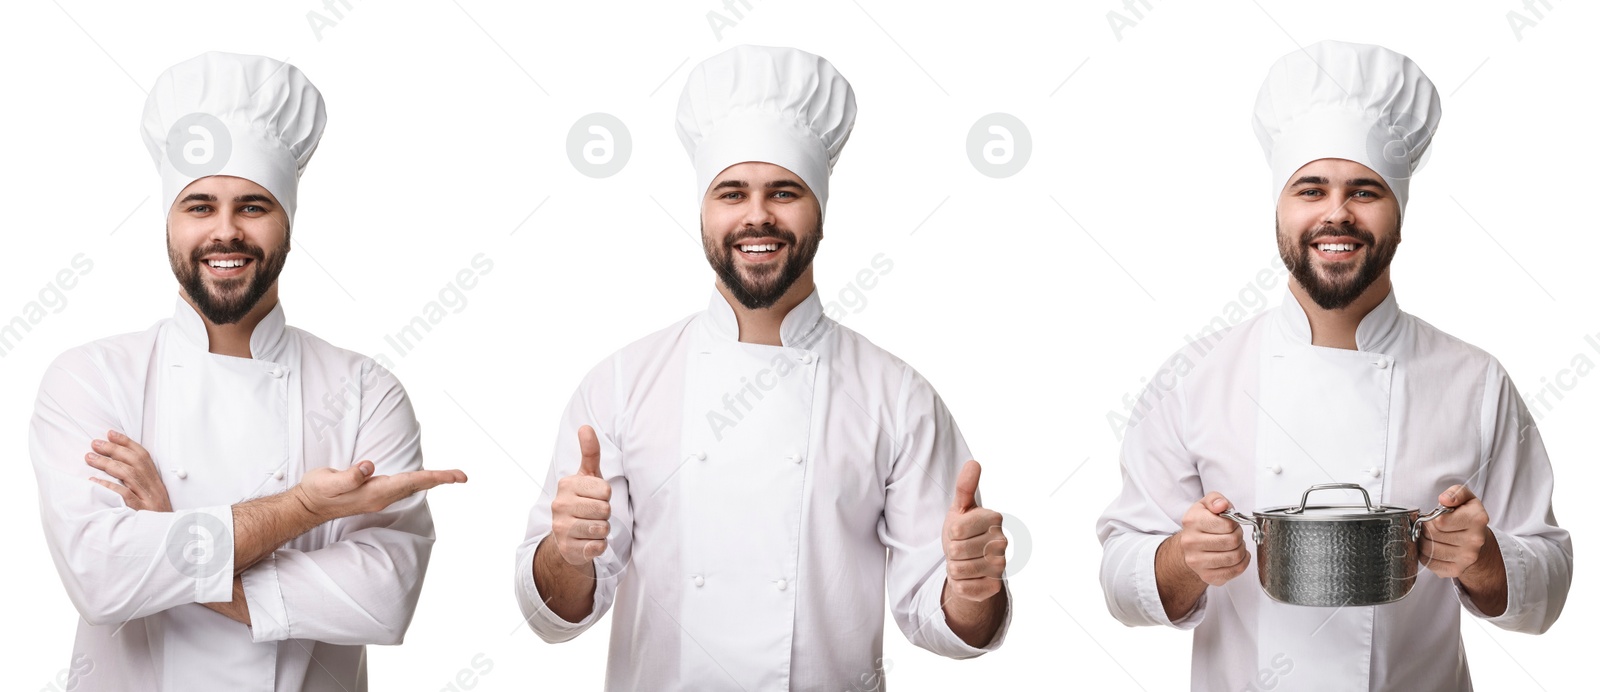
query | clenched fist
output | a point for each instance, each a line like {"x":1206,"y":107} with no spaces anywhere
{"x":581,"y":512}
{"x":1212,"y":545}
{"x":974,"y":546}
{"x":1454,"y":543}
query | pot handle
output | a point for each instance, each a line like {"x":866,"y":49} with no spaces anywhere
{"x":1416,"y":527}
{"x":1243,"y":520}
{"x":1334,"y":486}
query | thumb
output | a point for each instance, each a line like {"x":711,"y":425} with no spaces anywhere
{"x":589,"y":445}
{"x":352,"y":478}
{"x":1216,"y":502}
{"x":1456,"y":495}
{"x":967,"y":487}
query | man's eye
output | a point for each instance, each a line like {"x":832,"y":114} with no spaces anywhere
{"x":784,"y":193}
{"x":200,"y":209}
{"x":1366,"y":193}
{"x":252,"y":209}
{"x":1310,"y":192}
{"x":733,"y":195}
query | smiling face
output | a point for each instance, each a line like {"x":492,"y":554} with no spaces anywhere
{"x":227,"y":239}
{"x":1338,"y":227}
{"x":761,"y":226}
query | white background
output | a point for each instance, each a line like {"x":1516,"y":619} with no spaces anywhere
{"x":448,"y":122}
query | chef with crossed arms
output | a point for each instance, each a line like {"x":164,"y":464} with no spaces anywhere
{"x":231,"y":502}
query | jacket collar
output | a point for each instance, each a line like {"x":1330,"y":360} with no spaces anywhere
{"x":801,"y":328}
{"x":1376,"y":332}
{"x":266,"y":341}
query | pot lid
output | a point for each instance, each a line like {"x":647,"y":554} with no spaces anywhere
{"x":1335,"y":512}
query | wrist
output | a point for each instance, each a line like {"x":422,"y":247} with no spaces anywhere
{"x":948,"y":595}
{"x":304,"y":506}
{"x":548,"y":560}
{"x":1488,"y":570}
{"x":975,"y":623}
{"x":1170,"y":563}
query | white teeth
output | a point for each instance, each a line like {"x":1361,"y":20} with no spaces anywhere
{"x":226,"y":264}
{"x":1336,"y":247}
{"x":768,"y":247}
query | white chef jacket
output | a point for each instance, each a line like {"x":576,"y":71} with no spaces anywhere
{"x":223,"y":430}
{"x":1259,"y":414}
{"x":755,"y":492}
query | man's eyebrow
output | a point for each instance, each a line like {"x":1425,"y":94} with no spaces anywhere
{"x":198,"y":197}
{"x":1353,"y":182}
{"x":729,"y":183}
{"x":785,"y":182}
{"x":255,"y":198}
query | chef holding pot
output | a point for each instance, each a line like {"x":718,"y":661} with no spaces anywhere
{"x":1336,"y":386}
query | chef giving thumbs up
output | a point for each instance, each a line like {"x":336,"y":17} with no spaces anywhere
{"x":581,"y":512}
{"x":974,"y":547}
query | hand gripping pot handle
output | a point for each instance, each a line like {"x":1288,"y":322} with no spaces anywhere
{"x":1416,"y":528}
{"x":1243,"y":520}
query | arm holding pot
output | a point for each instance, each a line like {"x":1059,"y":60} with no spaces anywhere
{"x":1523,"y":546}
{"x":1208,"y":551}
{"x":1459,"y":545}
{"x":1143,"y":570}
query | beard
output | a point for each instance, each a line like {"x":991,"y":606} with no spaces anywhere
{"x":760,"y":286}
{"x":226,"y":301}
{"x":1337,"y":285}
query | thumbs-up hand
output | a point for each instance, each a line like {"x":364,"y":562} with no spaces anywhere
{"x":581,"y":512}
{"x":974,"y":547}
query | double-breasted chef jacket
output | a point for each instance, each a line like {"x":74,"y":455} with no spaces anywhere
{"x":765,"y":499}
{"x":1260,"y":414}
{"x":222,"y":430}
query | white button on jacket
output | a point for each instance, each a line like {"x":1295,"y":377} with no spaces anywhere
{"x":787,"y":560}
{"x":223,"y":430}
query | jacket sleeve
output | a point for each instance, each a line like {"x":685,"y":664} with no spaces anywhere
{"x":1159,"y":482}
{"x":1515,"y":487}
{"x":918,"y":493}
{"x":591,"y":405}
{"x":116,"y":563}
{"x":361,"y":586}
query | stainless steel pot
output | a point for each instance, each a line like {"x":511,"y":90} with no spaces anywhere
{"x":1336,"y":555}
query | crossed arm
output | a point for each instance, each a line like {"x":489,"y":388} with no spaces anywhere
{"x":262,"y":525}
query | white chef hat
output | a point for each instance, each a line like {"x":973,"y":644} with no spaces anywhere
{"x":776,"y":105}
{"x":1364,"y":103}
{"x":245,"y":116}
